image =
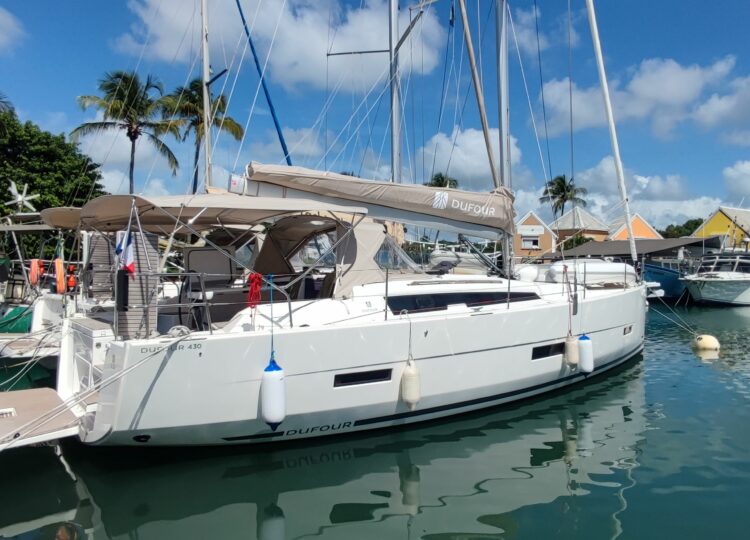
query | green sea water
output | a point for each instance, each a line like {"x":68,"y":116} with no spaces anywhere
{"x":659,"y":448}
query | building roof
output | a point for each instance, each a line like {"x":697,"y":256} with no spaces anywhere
{"x":531,"y":213}
{"x":644,"y":246}
{"x":740,"y":216}
{"x":617,"y":225}
{"x":578,"y":219}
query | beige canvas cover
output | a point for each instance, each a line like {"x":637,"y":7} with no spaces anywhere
{"x":64,"y":217}
{"x":493,"y":210}
{"x":204,"y":211}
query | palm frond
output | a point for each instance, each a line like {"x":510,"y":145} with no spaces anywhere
{"x":164,"y":151}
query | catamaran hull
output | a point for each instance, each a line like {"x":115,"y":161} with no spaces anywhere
{"x":198,"y":391}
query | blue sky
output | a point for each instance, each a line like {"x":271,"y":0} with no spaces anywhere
{"x":679,"y":73}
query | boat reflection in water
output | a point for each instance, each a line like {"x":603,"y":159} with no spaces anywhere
{"x":479,"y":476}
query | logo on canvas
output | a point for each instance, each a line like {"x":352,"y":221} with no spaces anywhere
{"x":441,"y":200}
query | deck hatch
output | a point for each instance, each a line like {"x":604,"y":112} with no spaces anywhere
{"x":544,"y":351}
{"x":362,"y":377}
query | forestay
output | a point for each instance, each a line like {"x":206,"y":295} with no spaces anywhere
{"x":480,"y":214}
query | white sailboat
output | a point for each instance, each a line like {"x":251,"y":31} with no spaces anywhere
{"x":373,"y":344}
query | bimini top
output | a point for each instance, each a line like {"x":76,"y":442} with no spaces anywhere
{"x":64,"y":217}
{"x":440,"y":207}
{"x":204,"y":211}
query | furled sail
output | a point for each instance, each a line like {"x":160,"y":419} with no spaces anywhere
{"x":483,"y":214}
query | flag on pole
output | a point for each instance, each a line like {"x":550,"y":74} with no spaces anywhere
{"x":125,"y":252}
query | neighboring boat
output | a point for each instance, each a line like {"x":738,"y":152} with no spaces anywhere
{"x":722,"y":279}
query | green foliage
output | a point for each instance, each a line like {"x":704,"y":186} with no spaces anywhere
{"x":52,"y":168}
{"x":575,"y":241}
{"x":559,"y":191}
{"x":5,"y":104}
{"x":678,"y":231}
{"x":442,"y":180}
{"x":183,"y":108}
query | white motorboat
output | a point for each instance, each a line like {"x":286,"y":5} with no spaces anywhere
{"x":722,"y":278}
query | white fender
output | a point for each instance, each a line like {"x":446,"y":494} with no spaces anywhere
{"x":273,"y":395}
{"x":571,"y":351}
{"x":410,"y":391}
{"x":586,"y":354}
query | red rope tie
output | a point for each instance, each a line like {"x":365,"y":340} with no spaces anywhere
{"x":255,"y":281}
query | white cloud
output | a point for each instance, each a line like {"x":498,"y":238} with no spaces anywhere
{"x":524,"y":23}
{"x":11,"y":31}
{"x":115,"y":181}
{"x":737,"y":137}
{"x":301,"y":36}
{"x":155,"y":186}
{"x":468,"y":158}
{"x":660,"y":90}
{"x":732,"y":108}
{"x":660,"y":213}
{"x":660,"y":200}
{"x":306,"y":145}
{"x":737,"y":178}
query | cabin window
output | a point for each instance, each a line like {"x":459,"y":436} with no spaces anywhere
{"x":544,"y":351}
{"x":312,"y":250}
{"x":416,"y":303}
{"x":390,"y":256}
{"x":530,"y":242}
{"x":361,"y":377}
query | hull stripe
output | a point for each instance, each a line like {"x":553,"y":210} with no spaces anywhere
{"x":496,"y":397}
{"x":441,"y":408}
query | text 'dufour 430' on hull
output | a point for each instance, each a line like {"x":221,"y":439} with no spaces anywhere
{"x":343,"y":364}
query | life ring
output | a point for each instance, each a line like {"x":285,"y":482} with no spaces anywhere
{"x":34,"y":272}
{"x":60,"y":281}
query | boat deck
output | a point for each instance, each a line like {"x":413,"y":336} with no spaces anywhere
{"x":34,"y":416}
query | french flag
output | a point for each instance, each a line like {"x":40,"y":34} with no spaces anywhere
{"x":125,"y":252}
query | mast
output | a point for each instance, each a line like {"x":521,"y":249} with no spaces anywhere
{"x":206,"y":96}
{"x":478,"y":91}
{"x":503,"y":110}
{"x":611,"y":124}
{"x":395,"y":91}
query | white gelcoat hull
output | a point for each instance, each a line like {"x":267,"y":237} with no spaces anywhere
{"x":719,"y":290}
{"x":205,"y":389}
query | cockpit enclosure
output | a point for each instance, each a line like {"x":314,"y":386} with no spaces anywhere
{"x":304,"y":245}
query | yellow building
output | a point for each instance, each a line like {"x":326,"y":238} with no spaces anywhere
{"x":641,"y":229}
{"x":732,"y":223}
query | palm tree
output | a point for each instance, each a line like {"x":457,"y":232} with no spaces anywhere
{"x":134,"y":107}
{"x":442,"y":180}
{"x":5,"y":104}
{"x":560,"y":191}
{"x":185,"y":105}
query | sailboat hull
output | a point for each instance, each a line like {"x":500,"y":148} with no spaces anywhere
{"x":347,"y":378}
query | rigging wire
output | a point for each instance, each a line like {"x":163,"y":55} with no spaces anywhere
{"x":262,"y":75}
{"x":444,"y":88}
{"x":541,"y":86}
{"x":570,"y":88}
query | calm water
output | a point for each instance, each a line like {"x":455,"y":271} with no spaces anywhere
{"x":658,"y":449}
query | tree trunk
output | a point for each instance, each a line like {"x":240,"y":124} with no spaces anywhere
{"x":132,"y":165}
{"x":195,"y":163}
